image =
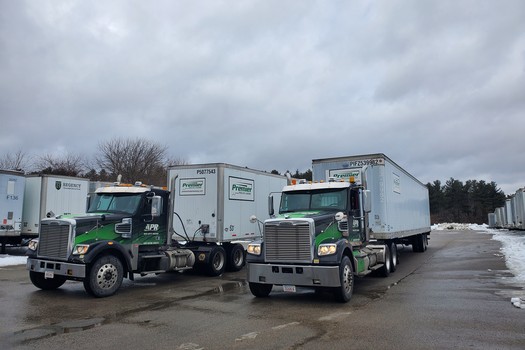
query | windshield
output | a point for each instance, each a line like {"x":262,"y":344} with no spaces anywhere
{"x":114,"y":203}
{"x":322,"y":200}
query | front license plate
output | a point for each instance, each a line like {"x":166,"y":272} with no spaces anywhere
{"x":49,"y":274}
{"x":290,"y":289}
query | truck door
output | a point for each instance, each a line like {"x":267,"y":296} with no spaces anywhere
{"x":356,"y":217}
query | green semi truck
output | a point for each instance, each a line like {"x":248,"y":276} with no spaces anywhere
{"x":130,"y":229}
{"x":346,"y":223}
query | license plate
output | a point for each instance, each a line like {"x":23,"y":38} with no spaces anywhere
{"x":290,"y":289}
{"x":49,"y":274}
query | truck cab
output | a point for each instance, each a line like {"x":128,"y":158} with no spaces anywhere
{"x":124,"y":231}
{"x":319,"y":239}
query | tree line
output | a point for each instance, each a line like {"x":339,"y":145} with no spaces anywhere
{"x":147,"y":161}
{"x":134,"y":159}
{"x":468,"y":202}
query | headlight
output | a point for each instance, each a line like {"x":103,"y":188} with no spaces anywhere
{"x":254,"y":248}
{"x":81,"y":249}
{"x":33,"y":244}
{"x":327,"y":249}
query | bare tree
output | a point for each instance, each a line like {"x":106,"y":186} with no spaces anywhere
{"x":69,"y":165}
{"x":14,"y":161}
{"x":135,"y":159}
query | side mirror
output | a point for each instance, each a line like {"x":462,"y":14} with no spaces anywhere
{"x":88,"y":202}
{"x":271,"y":210}
{"x":367,"y":201}
{"x":156,"y":206}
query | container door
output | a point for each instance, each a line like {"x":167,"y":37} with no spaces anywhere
{"x":195,"y":204}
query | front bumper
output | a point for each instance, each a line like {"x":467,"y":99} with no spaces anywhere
{"x":57,"y":267}
{"x":297,"y":275}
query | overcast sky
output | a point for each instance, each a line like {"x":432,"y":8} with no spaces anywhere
{"x":438,"y":86}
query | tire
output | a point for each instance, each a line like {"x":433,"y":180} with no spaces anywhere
{"x":385,"y":270}
{"x":260,"y":290}
{"x":217,"y":261}
{"x":104,"y":276}
{"x":425,"y":242}
{"x":236,"y":257}
{"x":393,"y":257}
{"x":38,"y":279}
{"x":344,"y":292}
{"x":418,"y":245}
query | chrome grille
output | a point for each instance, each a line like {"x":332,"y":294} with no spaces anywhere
{"x":53,"y":240}
{"x":288,"y":241}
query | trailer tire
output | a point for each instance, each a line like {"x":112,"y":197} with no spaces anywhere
{"x":217,"y":261}
{"x":260,"y":290}
{"x":104,"y":277}
{"x":394,"y":259}
{"x":387,"y":266}
{"x":38,"y":279}
{"x":236,"y":257}
{"x":344,"y":292}
{"x":418,"y":244}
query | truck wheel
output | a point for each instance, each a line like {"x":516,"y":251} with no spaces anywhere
{"x":385,"y":270}
{"x":236,"y":257}
{"x":217,"y":261}
{"x":260,"y":290}
{"x":393,"y":257}
{"x":425,"y":242}
{"x":104,"y":277}
{"x":346,"y":277}
{"x":37,"y":278}
{"x":418,"y":246}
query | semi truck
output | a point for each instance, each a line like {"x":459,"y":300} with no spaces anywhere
{"x":51,"y":195}
{"x":346,"y":223}
{"x":129,"y":229}
{"x":12,"y":185}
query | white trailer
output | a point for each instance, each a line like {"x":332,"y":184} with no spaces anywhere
{"x":519,"y":208}
{"x":212,"y":205}
{"x":12,"y":185}
{"x":49,"y":196}
{"x":500,"y":217}
{"x":400,"y":203}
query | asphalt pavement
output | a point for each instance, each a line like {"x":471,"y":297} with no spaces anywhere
{"x":455,"y":295}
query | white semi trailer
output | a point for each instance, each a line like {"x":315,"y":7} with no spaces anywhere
{"x":12,"y":185}
{"x":212,"y":204}
{"x":51,"y":195}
